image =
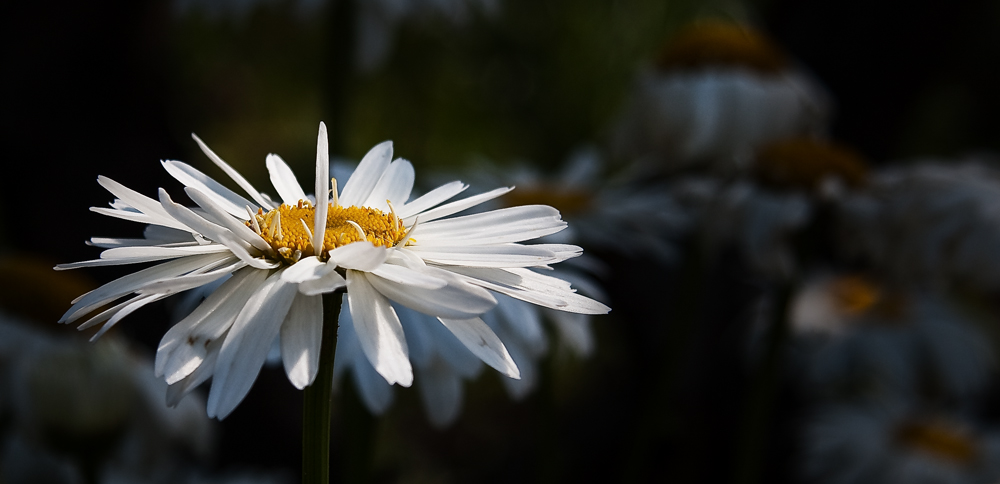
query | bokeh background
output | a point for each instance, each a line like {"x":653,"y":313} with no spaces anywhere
{"x":679,"y":388}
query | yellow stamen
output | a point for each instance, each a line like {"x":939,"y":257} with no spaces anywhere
{"x":716,"y":43}
{"x":344,"y":225}
{"x":943,"y":440}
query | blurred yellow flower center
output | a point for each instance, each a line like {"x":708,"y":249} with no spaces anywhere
{"x":939,"y":439}
{"x":568,"y":201}
{"x":854,"y":294}
{"x":717,"y":43}
{"x":805,"y":163}
{"x":858,"y":296}
{"x":288,"y":228}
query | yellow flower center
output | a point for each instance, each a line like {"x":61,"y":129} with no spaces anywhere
{"x":859,"y":296}
{"x":939,"y":439}
{"x":568,"y":201}
{"x":805,"y":163}
{"x":719,"y":43}
{"x":288,"y":229}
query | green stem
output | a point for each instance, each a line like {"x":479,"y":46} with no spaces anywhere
{"x":317,"y":404}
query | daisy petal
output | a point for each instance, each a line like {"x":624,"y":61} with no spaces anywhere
{"x":360,"y":256}
{"x":207,"y":323}
{"x":190,"y":177}
{"x":496,"y":255}
{"x":379,"y":332}
{"x":235,"y":175}
{"x":235,"y":225}
{"x":306,"y":269}
{"x":408,"y":277}
{"x":129,"y":283}
{"x":457,"y":300}
{"x":284,"y":180}
{"x":322,"y":188}
{"x":366,"y":176}
{"x":394,"y":185}
{"x":331,"y":281}
{"x":484,"y":343}
{"x":457,"y":206}
{"x":430,"y":199}
{"x":247,"y":344}
{"x":301,"y":335}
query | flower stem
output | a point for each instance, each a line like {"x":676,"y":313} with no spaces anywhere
{"x":317,"y":404}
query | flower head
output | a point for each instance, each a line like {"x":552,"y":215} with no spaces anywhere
{"x":368,"y":239}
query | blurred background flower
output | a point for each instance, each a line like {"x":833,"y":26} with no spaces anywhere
{"x":790,"y":205}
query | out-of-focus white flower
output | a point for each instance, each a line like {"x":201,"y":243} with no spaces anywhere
{"x":863,"y":335}
{"x":70,"y":402}
{"x":761,"y":211}
{"x":717,"y":92}
{"x":892,"y":443}
{"x":928,"y":224}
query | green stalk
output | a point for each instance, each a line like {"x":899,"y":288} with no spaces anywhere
{"x":317,"y":404}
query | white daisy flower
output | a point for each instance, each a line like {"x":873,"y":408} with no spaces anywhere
{"x":854,"y":333}
{"x":717,"y":92}
{"x":929,"y":223}
{"x":894,"y":443}
{"x":761,"y":212}
{"x":282,"y":257}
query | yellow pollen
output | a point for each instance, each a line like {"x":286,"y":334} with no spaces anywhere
{"x":719,"y":43}
{"x":805,"y":163}
{"x":569,"y":201}
{"x":288,"y":228}
{"x":939,"y":439}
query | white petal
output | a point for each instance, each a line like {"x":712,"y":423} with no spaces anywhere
{"x":360,"y":256}
{"x":409,"y":277}
{"x":456,"y":206}
{"x":284,"y":180}
{"x":190,"y":177}
{"x":322,"y":188}
{"x":431,"y":198}
{"x":196,"y":222}
{"x":182,"y":283}
{"x":235,"y":175}
{"x":236,"y":225}
{"x":206,"y":324}
{"x":247,"y":344}
{"x":394,"y":185}
{"x":331,"y":281}
{"x":379,"y":331}
{"x":135,"y":199}
{"x":496,"y":255}
{"x":484,"y":343}
{"x":141,"y":218}
{"x":369,"y":171}
{"x":301,"y":335}
{"x":306,"y":269}
{"x":133,"y":305}
{"x":532,"y":287}
{"x":203,"y":371}
{"x":457,"y":300}
{"x":512,"y":224}
{"x":129,"y":283}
